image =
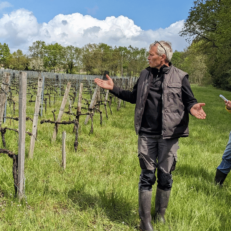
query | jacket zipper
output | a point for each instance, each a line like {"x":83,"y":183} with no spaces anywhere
{"x":162,"y":85}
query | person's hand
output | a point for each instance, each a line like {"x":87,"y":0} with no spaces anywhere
{"x":228,"y":104}
{"x":198,"y":111}
{"x":106,"y":84}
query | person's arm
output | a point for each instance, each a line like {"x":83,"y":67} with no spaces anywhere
{"x":191,"y":104}
{"x":129,"y":96}
{"x":187,"y":94}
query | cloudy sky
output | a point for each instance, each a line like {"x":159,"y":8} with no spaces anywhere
{"x":73,"y":22}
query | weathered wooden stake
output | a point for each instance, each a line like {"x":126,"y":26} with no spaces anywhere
{"x":80,"y":99}
{"x":43,"y":84}
{"x":22,"y":131}
{"x":3,"y":94}
{"x":61,"y":110}
{"x":64,"y":150}
{"x":4,"y":119}
{"x":105,"y":103}
{"x":119,"y":103}
{"x":76,"y":127}
{"x":93,"y":101}
{"x":36,"y":114}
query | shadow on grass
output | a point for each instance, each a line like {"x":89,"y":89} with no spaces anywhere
{"x":186,"y":170}
{"x":203,"y":181}
{"x":116,"y":207}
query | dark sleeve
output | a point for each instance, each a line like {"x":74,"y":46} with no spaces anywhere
{"x":187,"y":94}
{"x":129,"y":96}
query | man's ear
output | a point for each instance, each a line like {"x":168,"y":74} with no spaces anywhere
{"x":164,"y":57}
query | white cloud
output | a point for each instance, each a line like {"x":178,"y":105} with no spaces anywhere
{"x":20,"y":29}
{"x":5,"y":5}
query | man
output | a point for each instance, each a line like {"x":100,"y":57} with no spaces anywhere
{"x":225,"y":165}
{"x":163,"y":99}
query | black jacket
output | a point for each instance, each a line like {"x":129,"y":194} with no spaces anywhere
{"x":174,"y":109}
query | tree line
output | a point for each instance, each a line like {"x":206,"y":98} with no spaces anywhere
{"x":91,"y":59}
{"x":96,"y":58}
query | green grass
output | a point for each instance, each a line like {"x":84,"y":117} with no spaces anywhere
{"x":99,"y":188}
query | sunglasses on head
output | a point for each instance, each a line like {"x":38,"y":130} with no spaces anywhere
{"x":161,"y":46}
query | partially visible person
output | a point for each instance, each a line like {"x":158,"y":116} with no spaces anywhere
{"x":225,"y":165}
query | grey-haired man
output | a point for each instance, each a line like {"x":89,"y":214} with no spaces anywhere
{"x":163,"y":99}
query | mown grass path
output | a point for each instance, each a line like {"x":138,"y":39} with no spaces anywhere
{"x":99,"y":188}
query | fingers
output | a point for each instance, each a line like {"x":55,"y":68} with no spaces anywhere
{"x":108,"y":77}
{"x":104,"y":84}
{"x":202,"y":104}
{"x":99,"y":82}
{"x":201,"y":114}
{"x":198,"y":111}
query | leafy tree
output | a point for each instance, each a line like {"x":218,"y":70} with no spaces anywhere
{"x":37,"y":50}
{"x":4,"y":55}
{"x":72,"y":58}
{"x":208,"y":24}
{"x":53,"y":56}
{"x":90,"y":58}
{"x":18,"y":61}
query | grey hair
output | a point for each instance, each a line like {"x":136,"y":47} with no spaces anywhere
{"x":160,"y":50}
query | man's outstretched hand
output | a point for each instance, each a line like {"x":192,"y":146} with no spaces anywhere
{"x":106,"y":84}
{"x":198,"y":111}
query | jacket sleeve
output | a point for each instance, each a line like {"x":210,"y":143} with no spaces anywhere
{"x":187,"y":94}
{"x":228,"y":109}
{"x":129,"y":96}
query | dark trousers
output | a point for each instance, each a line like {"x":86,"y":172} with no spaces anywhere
{"x":154,"y":152}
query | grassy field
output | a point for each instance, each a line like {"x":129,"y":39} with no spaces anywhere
{"x":99,"y":188}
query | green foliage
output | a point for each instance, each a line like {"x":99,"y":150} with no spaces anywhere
{"x":123,"y":60}
{"x":4,"y":55}
{"x":72,"y":58}
{"x":53,"y":56}
{"x":193,"y":62}
{"x":92,"y":58}
{"x":37,"y":49}
{"x":209,"y":24}
{"x":18,"y":61}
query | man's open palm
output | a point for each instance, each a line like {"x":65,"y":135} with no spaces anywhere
{"x":198,"y":111}
{"x":106,"y":84}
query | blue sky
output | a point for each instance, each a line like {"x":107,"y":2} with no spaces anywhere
{"x":117,"y":23}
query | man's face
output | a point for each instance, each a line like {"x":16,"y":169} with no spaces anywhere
{"x":155,"y":61}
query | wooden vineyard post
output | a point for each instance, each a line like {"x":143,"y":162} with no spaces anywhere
{"x":92,"y":102}
{"x":98,"y":98}
{"x":78,"y":114}
{"x":105,"y":103}
{"x":21,"y":131}
{"x":3,"y":94}
{"x":80,"y":99}
{"x":64,"y":150}
{"x":119,"y":100}
{"x":36,"y":114}
{"x":61,"y":110}
{"x":119,"y":103}
{"x":43,"y":83}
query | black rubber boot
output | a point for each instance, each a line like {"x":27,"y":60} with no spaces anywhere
{"x":145,"y":198}
{"x":220,"y":177}
{"x":162,"y":198}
